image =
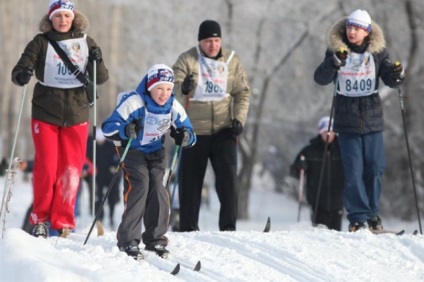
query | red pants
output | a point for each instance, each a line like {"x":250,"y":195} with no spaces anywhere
{"x":58,"y":162}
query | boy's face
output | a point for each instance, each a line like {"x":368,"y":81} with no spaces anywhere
{"x":356,"y":35}
{"x":161,"y":93}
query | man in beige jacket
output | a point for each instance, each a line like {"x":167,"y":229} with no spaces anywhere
{"x":211,"y":83}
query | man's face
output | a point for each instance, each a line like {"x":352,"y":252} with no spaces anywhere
{"x":210,"y":46}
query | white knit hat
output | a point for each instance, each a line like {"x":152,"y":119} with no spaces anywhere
{"x":159,"y":73}
{"x":323,"y":124}
{"x":359,"y":18}
{"x":60,"y":5}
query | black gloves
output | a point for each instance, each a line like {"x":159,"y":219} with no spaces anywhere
{"x":397,"y":72}
{"x":301,"y":163}
{"x":188,"y":84}
{"x":237,"y":127}
{"x":24,"y":76}
{"x":133,"y":129}
{"x":95,"y":54}
{"x":180,"y":136}
{"x":339,"y":58}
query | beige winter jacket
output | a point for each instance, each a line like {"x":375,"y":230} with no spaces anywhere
{"x":212,"y":116}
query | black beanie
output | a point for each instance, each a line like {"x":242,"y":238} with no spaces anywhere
{"x":209,"y":28}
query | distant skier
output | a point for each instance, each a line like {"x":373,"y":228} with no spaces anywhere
{"x":330,"y":205}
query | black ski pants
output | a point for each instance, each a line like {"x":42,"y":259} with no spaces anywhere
{"x":145,"y":199}
{"x":331,"y":219}
{"x":221,"y":150}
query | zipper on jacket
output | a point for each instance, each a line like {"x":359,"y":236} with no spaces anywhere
{"x":361,"y":120}
{"x":212,"y":118}
{"x":65,"y":110}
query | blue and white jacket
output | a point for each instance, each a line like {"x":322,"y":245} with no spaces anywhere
{"x":156,"y":120}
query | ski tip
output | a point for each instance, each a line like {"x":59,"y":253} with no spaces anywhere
{"x":267,"y":225}
{"x":400,"y":232}
{"x":176,"y":269}
{"x":198,"y":266}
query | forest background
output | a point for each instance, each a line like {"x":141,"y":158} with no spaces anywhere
{"x":281,"y":42}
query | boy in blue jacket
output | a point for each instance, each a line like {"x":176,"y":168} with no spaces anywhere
{"x":144,"y":116}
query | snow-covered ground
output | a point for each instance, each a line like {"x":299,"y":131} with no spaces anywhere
{"x":290,"y":252}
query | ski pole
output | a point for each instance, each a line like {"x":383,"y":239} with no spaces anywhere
{"x":5,"y":192}
{"x":324,"y":157}
{"x":109,"y":189}
{"x":300,"y":191}
{"x":174,"y":188}
{"x":409,"y":156}
{"x":10,"y":180}
{"x":93,"y":185}
{"x":177,"y":148}
{"x":176,"y":179}
{"x":177,"y":151}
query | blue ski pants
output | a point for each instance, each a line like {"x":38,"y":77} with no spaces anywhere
{"x":364,"y":162}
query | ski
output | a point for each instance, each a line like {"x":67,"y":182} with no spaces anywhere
{"x":197,"y":266}
{"x":176,"y":269}
{"x":415,"y":232}
{"x":267,"y":225}
{"x":383,"y":231}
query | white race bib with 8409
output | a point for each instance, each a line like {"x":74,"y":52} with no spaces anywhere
{"x":358,"y":77}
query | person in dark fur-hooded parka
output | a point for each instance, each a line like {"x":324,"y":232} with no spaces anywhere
{"x":60,"y":113}
{"x":355,"y":59}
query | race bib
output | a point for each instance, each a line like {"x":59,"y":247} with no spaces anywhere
{"x":155,"y":125}
{"x":358,"y":77}
{"x":56,"y":73}
{"x":212,"y":79}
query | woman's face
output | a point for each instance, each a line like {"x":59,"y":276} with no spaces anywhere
{"x":356,"y":35}
{"x":161,"y":93}
{"x":62,"y":21}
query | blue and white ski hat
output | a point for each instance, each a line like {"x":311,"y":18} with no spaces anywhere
{"x":60,"y":5}
{"x":159,"y":73}
{"x":323,"y":124}
{"x":359,"y":18}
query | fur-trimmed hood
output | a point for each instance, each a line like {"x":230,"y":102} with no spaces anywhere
{"x":337,"y":31}
{"x":79,"y":24}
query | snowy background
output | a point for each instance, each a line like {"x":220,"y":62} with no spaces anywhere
{"x":290,"y":252}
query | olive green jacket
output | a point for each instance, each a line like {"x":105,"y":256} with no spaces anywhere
{"x":210,"y":117}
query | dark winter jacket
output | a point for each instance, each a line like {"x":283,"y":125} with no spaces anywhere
{"x":58,"y":106}
{"x":331,"y":195}
{"x":359,"y":115}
